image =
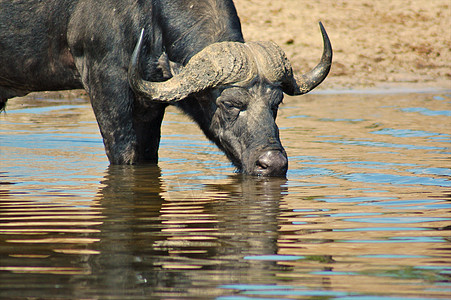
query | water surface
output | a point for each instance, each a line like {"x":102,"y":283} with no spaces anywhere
{"x":363,"y":214}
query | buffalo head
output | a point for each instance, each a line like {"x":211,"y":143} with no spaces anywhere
{"x":238,"y":87}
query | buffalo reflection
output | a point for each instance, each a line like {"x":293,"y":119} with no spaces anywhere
{"x":152,"y":246}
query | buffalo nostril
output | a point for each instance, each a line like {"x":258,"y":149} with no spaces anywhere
{"x":263,"y":163}
{"x":272,"y":163}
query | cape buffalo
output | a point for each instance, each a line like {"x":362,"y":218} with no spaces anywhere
{"x":136,"y":57}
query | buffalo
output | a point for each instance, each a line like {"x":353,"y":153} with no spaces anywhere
{"x":136,"y":57}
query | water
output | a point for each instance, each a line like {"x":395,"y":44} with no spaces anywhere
{"x":364,"y":213}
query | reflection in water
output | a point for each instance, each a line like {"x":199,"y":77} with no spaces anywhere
{"x":364,"y":212}
{"x":151,"y":246}
{"x":130,"y":198}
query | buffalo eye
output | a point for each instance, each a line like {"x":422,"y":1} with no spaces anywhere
{"x":229,"y":106}
{"x":231,"y":110}
{"x":233,"y":106}
{"x":232,"y":102}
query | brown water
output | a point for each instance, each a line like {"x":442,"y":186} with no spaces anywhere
{"x":364,"y":214}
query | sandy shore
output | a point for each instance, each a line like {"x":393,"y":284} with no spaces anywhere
{"x":377,"y":44}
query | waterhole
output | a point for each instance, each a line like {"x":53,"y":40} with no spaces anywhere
{"x":363,"y":214}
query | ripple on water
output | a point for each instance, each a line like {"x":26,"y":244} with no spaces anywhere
{"x":392,"y":179}
{"x":364,"y":213}
{"x":427,"y":112}
{"x":378,"y":144}
{"x":409,"y":133}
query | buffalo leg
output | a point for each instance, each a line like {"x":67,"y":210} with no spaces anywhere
{"x":114,"y":113}
{"x":130,"y":131}
{"x":147,"y":125}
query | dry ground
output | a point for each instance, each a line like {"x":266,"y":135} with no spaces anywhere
{"x":383,"y":43}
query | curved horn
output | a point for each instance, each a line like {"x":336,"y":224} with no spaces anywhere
{"x":298,"y":85}
{"x":134,"y":76}
{"x":219,"y":63}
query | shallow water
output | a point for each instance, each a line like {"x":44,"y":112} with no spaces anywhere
{"x":364,"y":213}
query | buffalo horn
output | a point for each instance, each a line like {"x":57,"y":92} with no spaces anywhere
{"x":298,"y":85}
{"x":229,"y":63}
{"x":218,"y":64}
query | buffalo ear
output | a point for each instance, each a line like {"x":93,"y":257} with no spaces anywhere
{"x":176,"y":68}
{"x":168,"y":68}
